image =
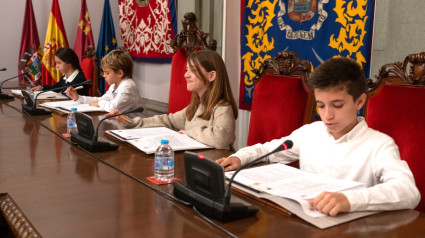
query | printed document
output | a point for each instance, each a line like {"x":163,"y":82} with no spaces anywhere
{"x":65,"y":106}
{"x":288,"y":182}
{"x":148,"y":139}
{"x":45,"y":95}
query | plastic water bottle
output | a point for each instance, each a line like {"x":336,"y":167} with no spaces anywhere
{"x":164,"y":162}
{"x":31,"y":93}
{"x":71,"y":123}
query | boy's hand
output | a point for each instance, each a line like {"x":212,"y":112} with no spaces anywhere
{"x":330,"y":203}
{"x":94,"y":103}
{"x":72,"y":93}
{"x":114,"y":112}
{"x":230,"y":163}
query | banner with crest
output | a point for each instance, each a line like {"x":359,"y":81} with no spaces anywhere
{"x":147,"y":27}
{"x":314,"y":29}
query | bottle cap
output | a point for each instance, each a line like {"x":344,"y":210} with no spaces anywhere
{"x":73,"y":109}
{"x":164,"y":142}
{"x":28,"y":87}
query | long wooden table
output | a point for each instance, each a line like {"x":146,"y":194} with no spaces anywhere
{"x":64,"y":191}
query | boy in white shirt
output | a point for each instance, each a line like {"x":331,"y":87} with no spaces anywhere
{"x":123,"y":94}
{"x":342,"y":146}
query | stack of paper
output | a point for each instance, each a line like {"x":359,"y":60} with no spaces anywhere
{"x":44,"y":95}
{"x":148,"y":139}
{"x":283,"y":185}
{"x":65,"y":106}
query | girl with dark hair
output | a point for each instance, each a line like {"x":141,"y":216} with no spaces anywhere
{"x":67,"y":62}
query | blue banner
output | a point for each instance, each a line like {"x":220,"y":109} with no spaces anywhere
{"x":314,"y":29}
{"x":107,"y":42}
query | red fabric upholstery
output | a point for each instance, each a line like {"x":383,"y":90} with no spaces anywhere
{"x":278,"y":108}
{"x":179,"y":96}
{"x":87,"y":65}
{"x":398,"y":111}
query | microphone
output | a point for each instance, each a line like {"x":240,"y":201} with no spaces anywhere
{"x":87,"y":82}
{"x":87,"y":137}
{"x":140,"y":110}
{"x":31,"y":105}
{"x":286,"y":145}
{"x":205,"y":187}
{"x":5,"y":96}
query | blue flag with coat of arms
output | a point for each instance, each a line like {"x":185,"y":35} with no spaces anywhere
{"x":314,"y":29}
{"x":107,"y":42}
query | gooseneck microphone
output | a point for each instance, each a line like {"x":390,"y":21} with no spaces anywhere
{"x":140,"y":109}
{"x":87,"y":137}
{"x":205,"y":188}
{"x":31,"y":103}
{"x":284,"y":146}
{"x":5,"y":96}
{"x":60,"y":88}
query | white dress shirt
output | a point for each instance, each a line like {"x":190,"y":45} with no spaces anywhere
{"x":125,"y":97}
{"x":364,"y":155}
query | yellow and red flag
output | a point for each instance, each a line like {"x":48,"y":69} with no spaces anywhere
{"x":84,"y":36}
{"x":55,"y":39}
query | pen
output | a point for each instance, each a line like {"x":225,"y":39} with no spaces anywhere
{"x":77,"y":88}
{"x":125,"y":118}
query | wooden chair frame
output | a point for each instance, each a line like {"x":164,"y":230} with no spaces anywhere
{"x":191,"y":37}
{"x":409,"y":72}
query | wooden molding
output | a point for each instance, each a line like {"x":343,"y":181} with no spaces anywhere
{"x":18,"y":223}
{"x":191,"y":37}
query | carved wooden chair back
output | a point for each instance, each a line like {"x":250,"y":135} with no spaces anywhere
{"x":282,"y":101}
{"x":190,"y":39}
{"x":395,"y":107}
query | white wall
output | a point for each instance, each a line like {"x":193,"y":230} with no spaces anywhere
{"x":399,"y":31}
{"x":152,"y":79}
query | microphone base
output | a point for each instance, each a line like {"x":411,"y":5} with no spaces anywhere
{"x":101,"y":145}
{"x":34,"y":111}
{"x":236,"y":209}
{"x":5,"y":96}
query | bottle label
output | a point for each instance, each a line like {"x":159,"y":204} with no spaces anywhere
{"x":164,"y":163}
{"x":71,"y":123}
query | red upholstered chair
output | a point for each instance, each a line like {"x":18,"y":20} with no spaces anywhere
{"x":188,"y":40}
{"x":396,"y":108}
{"x":179,"y":96}
{"x":89,"y":67}
{"x":281,"y":101}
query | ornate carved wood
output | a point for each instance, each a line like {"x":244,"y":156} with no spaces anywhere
{"x":285,"y":63}
{"x":18,"y":223}
{"x":191,"y":37}
{"x":411,"y":72}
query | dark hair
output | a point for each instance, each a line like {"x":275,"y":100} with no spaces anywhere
{"x":218,"y":91}
{"x":119,"y":59}
{"x":342,"y":73}
{"x":68,"y":56}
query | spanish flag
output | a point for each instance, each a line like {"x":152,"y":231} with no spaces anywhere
{"x":55,"y":39}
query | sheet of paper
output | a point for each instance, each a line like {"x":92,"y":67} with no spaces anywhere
{"x":65,"y":106}
{"x":45,"y":95}
{"x":285,"y":181}
{"x":148,"y":139}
